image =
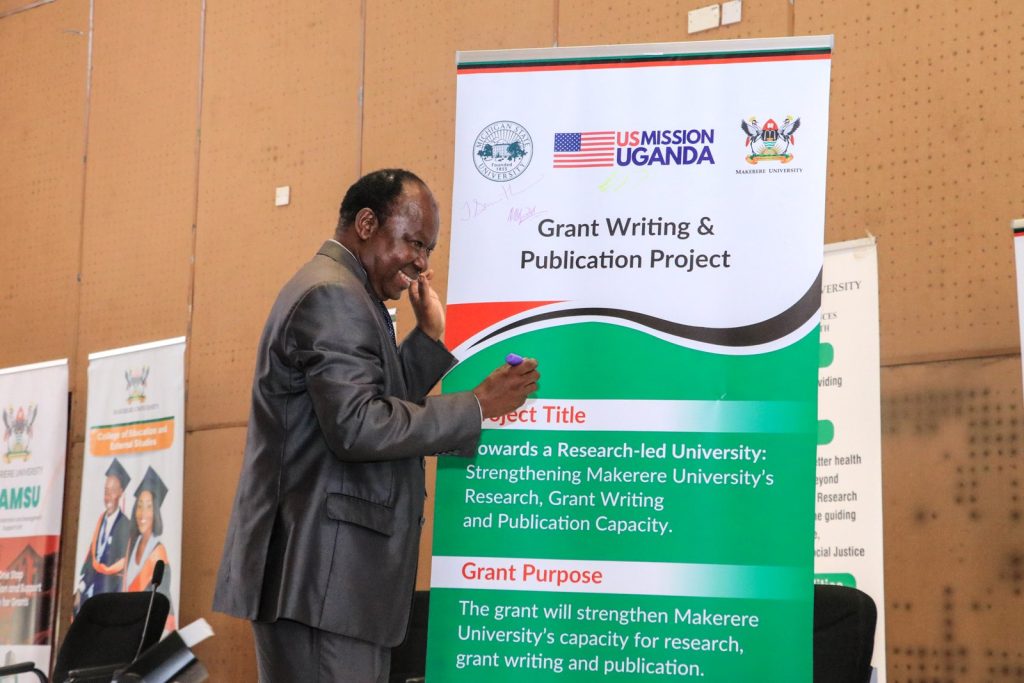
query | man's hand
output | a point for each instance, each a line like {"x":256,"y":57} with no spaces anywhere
{"x":506,"y":388}
{"x":427,"y":307}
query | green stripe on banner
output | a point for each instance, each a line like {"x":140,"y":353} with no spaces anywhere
{"x":826,"y":432}
{"x":601,"y":360}
{"x":640,"y":59}
{"x":134,"y":422}
{"x":827,"y":355}
{"x":841,"y":579}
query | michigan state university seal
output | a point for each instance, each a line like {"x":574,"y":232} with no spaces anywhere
{"x":502,"y":151}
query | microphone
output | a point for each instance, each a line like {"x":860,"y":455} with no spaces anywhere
{"x":158,"y":577}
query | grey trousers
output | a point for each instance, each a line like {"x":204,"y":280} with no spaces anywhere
{"x":290,"y":652}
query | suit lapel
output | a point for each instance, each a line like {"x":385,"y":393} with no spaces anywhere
{"x":392,"y":366}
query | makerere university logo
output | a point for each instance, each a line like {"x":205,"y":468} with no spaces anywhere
{"x":18,"y":431}
{"x":770,"y":142}
{"x":502,"y":151}
{"x":135,"y":384}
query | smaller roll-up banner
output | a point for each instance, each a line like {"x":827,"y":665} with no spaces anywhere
{"x":34,"y":409}
{"x":133,"y":474}
{"x":1017,"y":226}
{"x":848,"y":548}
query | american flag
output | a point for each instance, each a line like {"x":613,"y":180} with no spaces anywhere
{"x":595,"y":149}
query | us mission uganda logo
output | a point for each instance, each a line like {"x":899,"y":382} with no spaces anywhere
{"x":502,"y":151}
{"x":610,"y":148}
{"x":770,"y":142}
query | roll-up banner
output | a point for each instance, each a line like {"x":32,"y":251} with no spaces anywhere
{"x":132,"y":478}
{"x":848,"y":546}
{"x":647,"y":222}
{"x":1017,"y":226}
{"x":34,"y":407}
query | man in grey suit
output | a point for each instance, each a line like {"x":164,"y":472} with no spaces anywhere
{"x":323,"y":540}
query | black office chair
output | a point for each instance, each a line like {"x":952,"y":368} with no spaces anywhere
{"x":844,"y":634}
{"x":103,"y":637}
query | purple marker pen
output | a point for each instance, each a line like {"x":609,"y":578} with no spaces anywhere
{"x":513,"y":359}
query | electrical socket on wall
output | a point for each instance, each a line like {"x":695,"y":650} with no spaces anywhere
{"x":283,"y":195}
{"x":732,"y":11}
{"x":703,"y":18}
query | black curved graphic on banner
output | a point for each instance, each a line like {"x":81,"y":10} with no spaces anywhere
{"x":747,"y":335}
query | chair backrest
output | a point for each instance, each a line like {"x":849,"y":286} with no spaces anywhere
{"x":844,"y":634}
{"x":107,"y":630}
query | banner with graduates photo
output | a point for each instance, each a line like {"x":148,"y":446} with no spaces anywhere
{"x":133,"y":474}
{"x":34,"y":411}
{"x":647,"y":222}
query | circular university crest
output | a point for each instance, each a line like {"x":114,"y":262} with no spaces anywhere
{"x":502,"y":151}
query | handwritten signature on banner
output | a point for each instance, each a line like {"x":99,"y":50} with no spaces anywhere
{"x":509,"y":193}
{"x":620,"y":178}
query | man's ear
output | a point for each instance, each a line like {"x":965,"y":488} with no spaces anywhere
{"x":365,"y":223}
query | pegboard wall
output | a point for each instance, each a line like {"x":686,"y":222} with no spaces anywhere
{"x":281,"y":94}
{"x":41,"y":144}
{"x":907,"y":79}
{"x":140,"y":177}
{"x":953,"y":475}
{"x":136,"y":202}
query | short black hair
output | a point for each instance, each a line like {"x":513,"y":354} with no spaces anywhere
{"x":376,"y":191}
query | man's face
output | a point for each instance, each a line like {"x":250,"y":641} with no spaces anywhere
{"x":111,"y":493}
{"x":398,"y":250}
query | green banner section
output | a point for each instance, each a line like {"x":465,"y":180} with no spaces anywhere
{"x":714,"y":522}
{"x":520,"y":636}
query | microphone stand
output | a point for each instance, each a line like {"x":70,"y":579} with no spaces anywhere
{"x":166,"y":660}
{"x":158,"y":577}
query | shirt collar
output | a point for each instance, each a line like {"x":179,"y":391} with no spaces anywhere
{"x":359,"y":264}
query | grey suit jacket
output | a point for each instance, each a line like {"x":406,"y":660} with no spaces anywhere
{"x":326,"y":520}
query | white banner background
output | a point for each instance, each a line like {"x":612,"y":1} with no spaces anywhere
{"x":494,"y":223}
{"x":849,"y":398}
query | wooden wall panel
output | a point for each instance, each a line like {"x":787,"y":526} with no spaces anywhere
{"x":409,"y":109}
{"x":211,"y":470}
{"x":42,"y":105}
{"x":11,"y":7}
{"x":909,"y":81}
{"x":280,"y":107}
{"x":140,"y":179}
{"x":953,"y":474}
{"x":584,"y":22}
